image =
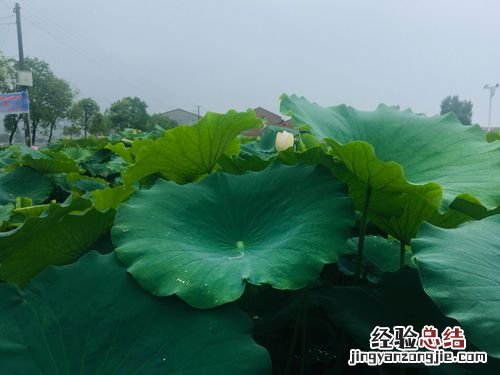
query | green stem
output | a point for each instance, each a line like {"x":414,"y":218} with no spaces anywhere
{"x":299,"y":324}
{"x":293,"y":344}
{"x":304,"y":332}
{"x":340,"y":360}
{"x":362,"y":234}
{"x":402,"y":250}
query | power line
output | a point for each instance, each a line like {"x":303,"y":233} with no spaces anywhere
{"x":82,"y":53}
{"x":7,"y":5}
{"x":4,"y":41}
{"x":65,"y":36}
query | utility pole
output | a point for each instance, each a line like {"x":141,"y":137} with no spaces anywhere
{"x":492,"y":94}
{"x":198,"y":111}
{"x":26,"y":116}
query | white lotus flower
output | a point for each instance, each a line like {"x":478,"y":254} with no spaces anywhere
{"x":284,"y":140}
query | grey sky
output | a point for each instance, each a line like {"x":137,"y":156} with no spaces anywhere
{"x":238,"y":54}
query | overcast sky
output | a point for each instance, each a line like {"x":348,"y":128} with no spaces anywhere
{"x":224,"y":54}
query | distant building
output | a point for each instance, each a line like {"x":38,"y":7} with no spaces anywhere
{"x":182,"y":117}
{"x":270,"y":118}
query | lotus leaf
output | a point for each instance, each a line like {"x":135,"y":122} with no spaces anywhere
{"x":91,"y":317}
{"x":203,"y":241}
{"x":460,"y":271}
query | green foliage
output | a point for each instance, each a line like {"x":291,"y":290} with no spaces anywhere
{"x":69,"y":229}
{"x":158,"y":120}
{"x":72,"y":131}
{"x":234,"y":229}
{"x":318,"y":244}
{"x":493,"y":136}
{"x":461,"y":108}
{"x":50,"y":97}
{"x":24,"y":182}
{"x":128,"y":113}
{"x":80,"y":319}
{"x":460,"y":271}
{"x":8,"y":74}
{"x":8,"y":83}
{"x":5,"y":214}
{"x":85,"y":115}
{"x":188,"y":152}
{"x":411,"y":179}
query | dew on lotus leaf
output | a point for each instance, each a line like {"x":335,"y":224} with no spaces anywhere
{"x":256,"y":317}
{"x":205,"y":285}
{"x":185,"y":282}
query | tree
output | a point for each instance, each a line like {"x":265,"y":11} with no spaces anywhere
{"x":8,"y":79}
{"x":8,"y":83}
{"x":72,"y":131}
{"x":11,"y":123}
{"x":50,"y":97}
{"x":100,"y":126}
{"x":128,"y":113}
{"x":461,"y":108}
{"x":162,"y":121}
{"x":83,"y":113}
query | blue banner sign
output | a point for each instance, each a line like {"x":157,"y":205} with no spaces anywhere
{"x":14,"y":102}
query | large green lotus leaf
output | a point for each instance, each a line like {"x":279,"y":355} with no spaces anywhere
{"x":24,"y":182}
{"x":412,"y":166}
{"x":7,"y":156}
{"x":203,"y":241}
{"x":85,"y":183}
{"x":111,"y":197}
{"x":464,"y":208}
{"x":398,"y":300}
{"x":187,"y":152}
{"x":460,"y":271}
{"x":245,"y":162}
{"x":122,"y":151}
{"x":5,"y":214}
{"x":395,"y":205}
{"x":59,"y":236}
{"x":50,"y":162}
{"x":78,"y":154}
{"x":429,"y":149}
{"x":91,"y":317}
{"x":380,"y":254}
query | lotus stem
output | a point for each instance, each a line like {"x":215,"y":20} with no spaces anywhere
{"x":293,"y":344}
{"x":362,"y":234}
{"x":300,"y":323}
{"x":402,"y":249}
{"x":304,"y":332}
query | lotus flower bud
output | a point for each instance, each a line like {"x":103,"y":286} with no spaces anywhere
{"x":284,"y":140}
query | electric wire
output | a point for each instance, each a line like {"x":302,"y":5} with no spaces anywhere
{"x":70,"y":38}
{"x":106,"y":71}
{"x":6,"y":37}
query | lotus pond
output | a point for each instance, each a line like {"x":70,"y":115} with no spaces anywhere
{"x":198,"y":251}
